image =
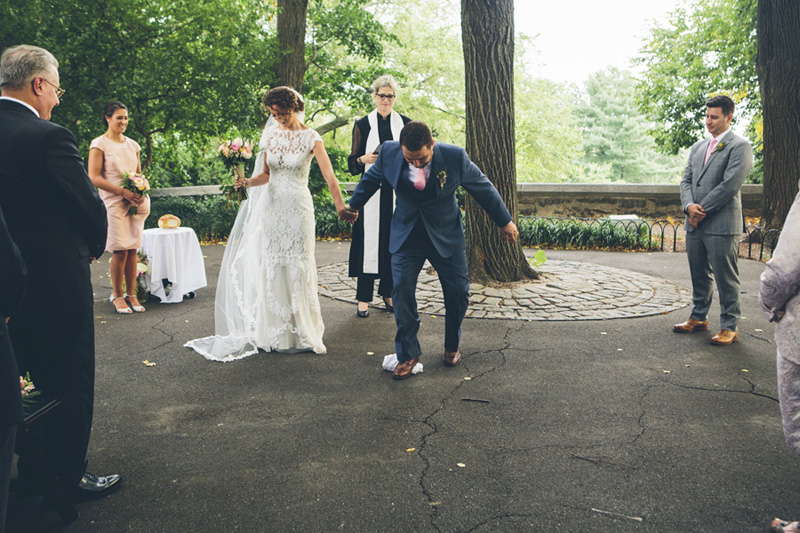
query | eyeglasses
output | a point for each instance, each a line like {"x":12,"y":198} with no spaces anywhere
{"x":385,"y":96}
{"x":59,"y":91}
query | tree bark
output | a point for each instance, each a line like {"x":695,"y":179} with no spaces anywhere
{"x":291,"y":67}
{"x":487,"y":28}
{"x":778,"y":69}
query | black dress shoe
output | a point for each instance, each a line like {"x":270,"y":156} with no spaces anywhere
{"x":362,"y":314}
{"x":92,"y":487}
{"x":389,"y":307}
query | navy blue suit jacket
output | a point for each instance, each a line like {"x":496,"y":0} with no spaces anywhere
{"x":13,"y":277}
{"x":451,"y":168}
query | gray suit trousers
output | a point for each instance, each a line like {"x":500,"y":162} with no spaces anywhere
{"x":717,"y":254}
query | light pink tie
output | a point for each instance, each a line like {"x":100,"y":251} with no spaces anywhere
{"x":711,"y":146}
{"x":419,"y":182}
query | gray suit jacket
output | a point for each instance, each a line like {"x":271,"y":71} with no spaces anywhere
{"x":716,"y":185}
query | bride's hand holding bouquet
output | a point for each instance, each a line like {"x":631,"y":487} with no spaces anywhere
{"x":234,"y":155}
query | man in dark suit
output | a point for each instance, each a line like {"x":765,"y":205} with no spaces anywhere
{"x":427,"y":225}
{"x":712,"y":201}
{"x":57,"y":220}
{"x":12,"y":288}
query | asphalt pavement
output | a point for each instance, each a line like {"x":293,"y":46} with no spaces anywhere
{"x":547,"y":425}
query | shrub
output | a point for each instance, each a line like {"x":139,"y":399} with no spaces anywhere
{"x":576,"y":233}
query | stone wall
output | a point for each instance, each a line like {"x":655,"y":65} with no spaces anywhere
{"x":577,"y":200}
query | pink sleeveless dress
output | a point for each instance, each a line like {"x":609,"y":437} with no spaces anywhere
{"x":124,"y":230}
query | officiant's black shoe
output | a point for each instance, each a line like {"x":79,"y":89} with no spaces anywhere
{"x":389,"y":307}
{"x":92,"y":487}
{"x":362,"y":314}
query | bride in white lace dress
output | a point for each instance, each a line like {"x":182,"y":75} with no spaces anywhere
{"x":267,"y":290}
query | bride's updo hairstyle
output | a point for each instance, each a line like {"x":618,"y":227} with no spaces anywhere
{"x":284,"y":98}
{"x":112,"y":106}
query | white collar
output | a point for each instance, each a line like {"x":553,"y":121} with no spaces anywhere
{"x":721,"y":135}
{"x":29,"y":106}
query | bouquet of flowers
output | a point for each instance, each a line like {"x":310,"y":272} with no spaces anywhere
{"x":26,"y":388}
{"x":136,"y":183}
{"x":235,"y":154}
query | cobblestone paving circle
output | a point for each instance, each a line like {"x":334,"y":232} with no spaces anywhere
{"x":570,"y":290}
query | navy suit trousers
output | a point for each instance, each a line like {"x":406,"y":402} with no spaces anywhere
{"x":452,"y":271}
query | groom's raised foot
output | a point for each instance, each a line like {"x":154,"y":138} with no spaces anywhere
{"x":452,"y":358}
{"x":404,"y":368}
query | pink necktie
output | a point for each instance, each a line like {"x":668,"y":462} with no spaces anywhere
{"x":711,"y":146}
{"x":419,"y":182}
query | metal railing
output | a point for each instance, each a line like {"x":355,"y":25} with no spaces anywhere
{"x":652,"y":234}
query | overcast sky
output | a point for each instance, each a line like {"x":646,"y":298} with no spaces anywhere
{"x":579,"y":37}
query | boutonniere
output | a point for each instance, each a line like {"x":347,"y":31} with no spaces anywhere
{"x":718,"y":148}
{"x":442,"y":177}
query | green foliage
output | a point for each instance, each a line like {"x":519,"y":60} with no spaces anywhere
{"x":211,"y":217}
{"x":179,"y":65}
{"x":572,"y":233}
{"x":328,"y":224}
{"x":707,"y":48}
{"x":615,"y":143}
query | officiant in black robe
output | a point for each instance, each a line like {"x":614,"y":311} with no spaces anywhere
{"x":369,"y":248}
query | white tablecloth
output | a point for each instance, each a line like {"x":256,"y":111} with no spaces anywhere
{"x":173,"y":254}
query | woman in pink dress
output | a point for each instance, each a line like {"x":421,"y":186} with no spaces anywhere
{"x":111,"y":156}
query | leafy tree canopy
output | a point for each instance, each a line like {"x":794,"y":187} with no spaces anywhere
{"x":706,"y":48}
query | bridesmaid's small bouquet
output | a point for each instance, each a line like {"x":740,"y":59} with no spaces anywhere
{"x":234,"y":155}
{"x":136,"y":183}
{"x":26,"y":388}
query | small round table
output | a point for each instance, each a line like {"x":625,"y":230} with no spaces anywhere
{"x":176,"y":261}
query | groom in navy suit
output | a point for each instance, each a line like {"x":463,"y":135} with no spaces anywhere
{"x":427,"y":225}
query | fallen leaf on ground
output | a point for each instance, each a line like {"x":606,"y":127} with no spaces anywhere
{"x":467,"y":378}
{"x":461,"y":465}
{"x":603,"y":333}
{"x":761,"y":330}
{"x":370,"y":353}
{"x":148,"y":363}
{"x":666,"y":371}
{"x":745,"y":370}
{"x":409,"y":450}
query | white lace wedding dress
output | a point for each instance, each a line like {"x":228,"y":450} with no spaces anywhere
{"x":267,"y":290}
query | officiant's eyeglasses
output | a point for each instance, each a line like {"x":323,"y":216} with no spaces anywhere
{"x":59,"y":91}
{"x":385,"y":96}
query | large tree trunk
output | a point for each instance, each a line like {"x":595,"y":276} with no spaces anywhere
{"x":778,"y":68}
{"x":487,"y":28}
{"x":291,"y":67}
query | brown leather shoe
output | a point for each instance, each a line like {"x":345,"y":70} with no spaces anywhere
{"x":725,"y":337}
{"x":690,"y":326}
{"x":404,"y":368}
{"x":452,"y":358}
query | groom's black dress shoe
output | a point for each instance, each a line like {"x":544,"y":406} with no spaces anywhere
{"x":92,"y":487}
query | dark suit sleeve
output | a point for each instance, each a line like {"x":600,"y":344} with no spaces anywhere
{"x":370,"y":182}
{"x":479,"y":186}
{"x":13,"y":274}
{"x":66,"y":175}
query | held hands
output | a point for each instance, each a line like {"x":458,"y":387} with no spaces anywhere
{"x":509,"y":232}
{"x":696,"y":214}
{"x":132,"y":197}
{"x":347,"y":214}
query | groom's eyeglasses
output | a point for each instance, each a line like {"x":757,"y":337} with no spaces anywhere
{"x":385,"y":96}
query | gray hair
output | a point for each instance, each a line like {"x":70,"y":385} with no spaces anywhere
{"x":387,"y":80}
{"x":20,"y":64}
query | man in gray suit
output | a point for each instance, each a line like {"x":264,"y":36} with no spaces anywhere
{"x":712,"y":201}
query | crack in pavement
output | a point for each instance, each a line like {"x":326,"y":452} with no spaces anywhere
{"x":429,"y":421}
{"x":751,"y":391}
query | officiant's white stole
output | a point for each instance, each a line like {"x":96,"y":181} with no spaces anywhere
{"x":371,"y":212}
